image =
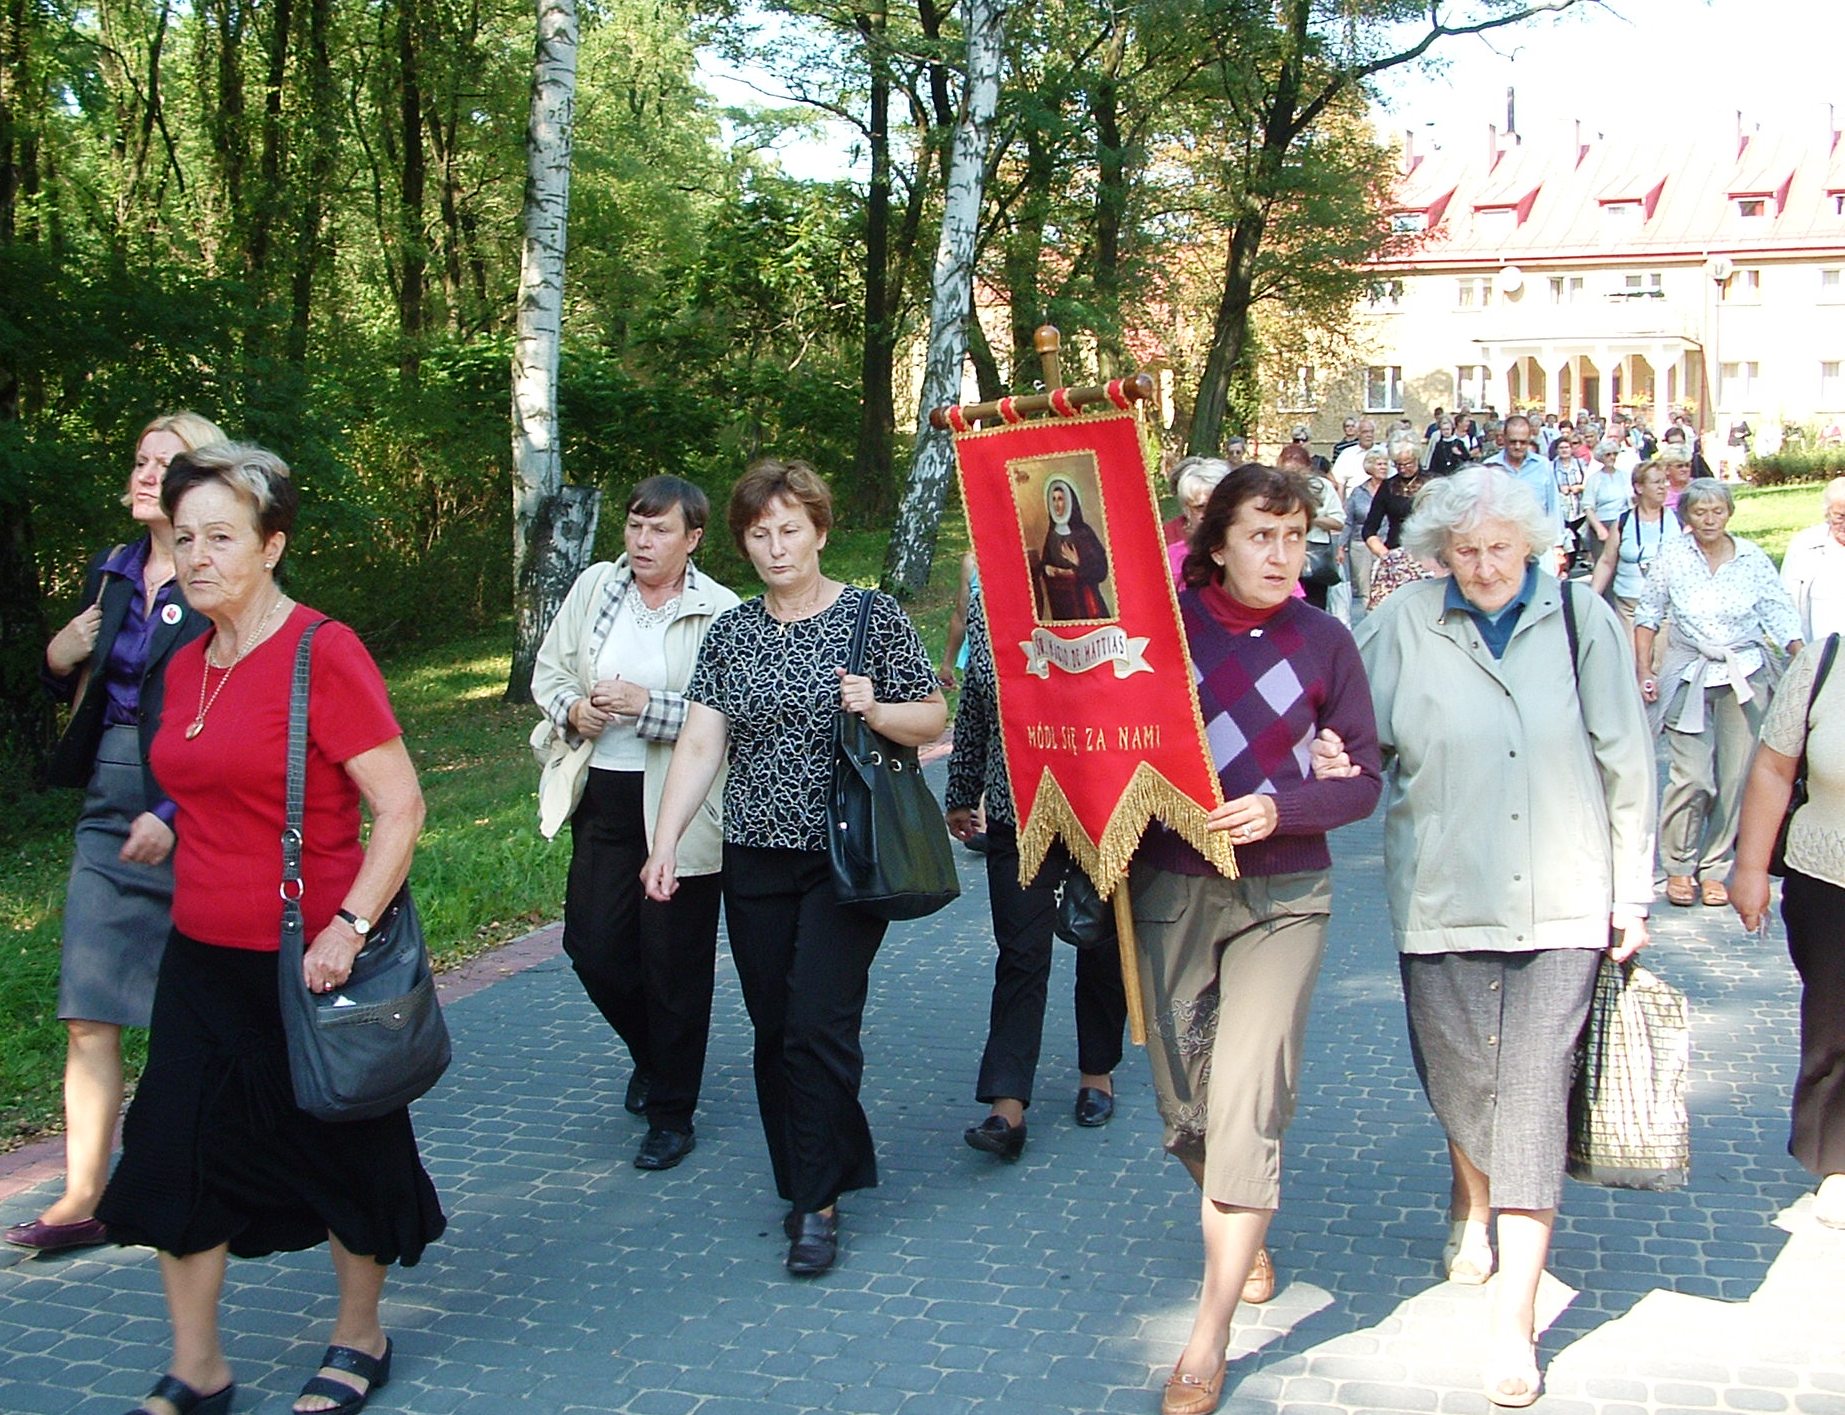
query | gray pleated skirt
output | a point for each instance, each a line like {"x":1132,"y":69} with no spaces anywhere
{"x":1494,"y":1038}
{"x":116,"y":915}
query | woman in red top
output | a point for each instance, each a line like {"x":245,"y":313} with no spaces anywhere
{"x":216,"y":1159}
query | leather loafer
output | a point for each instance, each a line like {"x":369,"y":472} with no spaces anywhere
{"x":814,"y":1246}
{"x":1094,"y":1107}
{"x":635,"y":1102}
{"x":994,"y":1137}
{"x":45,"y":1237}
{"x":1259,"y":1286}
{"x":662,"y":1149}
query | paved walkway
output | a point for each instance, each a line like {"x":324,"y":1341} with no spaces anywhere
{"x":571,"y":1282}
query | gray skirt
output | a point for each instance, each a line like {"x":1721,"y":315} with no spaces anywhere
{"x":1494,"y":1038}
{"x":116,"y":915}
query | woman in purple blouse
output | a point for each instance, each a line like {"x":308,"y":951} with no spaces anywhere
{"x":107,"y":662}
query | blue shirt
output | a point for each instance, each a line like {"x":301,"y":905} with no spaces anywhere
{"x":1497,"y":628}
{"x":1541,"y":477}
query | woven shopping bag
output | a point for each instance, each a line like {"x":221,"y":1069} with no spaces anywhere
{"x":1628,"y":1126}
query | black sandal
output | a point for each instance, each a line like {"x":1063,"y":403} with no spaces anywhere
{"x":186,"y":1400}
{"x":375,"y":1371}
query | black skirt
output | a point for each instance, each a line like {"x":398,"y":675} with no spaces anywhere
{"x":215,"y":1151}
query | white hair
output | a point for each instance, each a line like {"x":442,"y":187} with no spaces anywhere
{"x":1452,"y":505}
{"x":1202,"y":473}
{"x":1701,"y":489}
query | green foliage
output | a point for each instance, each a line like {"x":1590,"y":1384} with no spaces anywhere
{"x":1808,"y":453}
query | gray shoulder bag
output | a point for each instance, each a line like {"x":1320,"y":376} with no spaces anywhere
{"x":378,"y":1041}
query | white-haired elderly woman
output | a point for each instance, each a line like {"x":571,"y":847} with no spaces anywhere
{"x":1389,"y":513}
{"x":1725,"y":601}
{"x":1502,"y":904}
{"x":1606,"y":493}
{"x":1193,"y":481}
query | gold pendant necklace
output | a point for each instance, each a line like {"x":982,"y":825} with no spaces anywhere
{"x":205,"y":703}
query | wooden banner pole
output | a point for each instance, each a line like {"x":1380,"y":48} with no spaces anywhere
{"x":1130,"y":962}
{"x":1137,"y":388}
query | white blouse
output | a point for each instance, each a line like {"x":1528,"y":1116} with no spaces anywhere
{"x":1735,"y":606}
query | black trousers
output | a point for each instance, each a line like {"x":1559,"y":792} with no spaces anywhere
{"x":1814,"y":912}
{"x":1022,"y":973}
{"x":804,"y":961}
{"x":647,"y":966}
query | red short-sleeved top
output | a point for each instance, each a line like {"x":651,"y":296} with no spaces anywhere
{"x":230,"y":782}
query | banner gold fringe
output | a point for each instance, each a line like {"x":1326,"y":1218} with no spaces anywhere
{"x":1148,"y":796}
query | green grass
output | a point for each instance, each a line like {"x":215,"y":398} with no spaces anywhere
{"x":1770,"y":515}
{"x":482,"y":874}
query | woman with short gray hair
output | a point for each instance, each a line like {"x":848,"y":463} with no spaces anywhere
{"x":1724,"y":599}
{"x":1502,"y":673}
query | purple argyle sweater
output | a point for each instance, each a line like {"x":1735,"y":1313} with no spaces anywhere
{"x":1264,"y":695}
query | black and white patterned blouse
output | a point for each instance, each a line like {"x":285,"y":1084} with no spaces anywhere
{"x":776,"y":685}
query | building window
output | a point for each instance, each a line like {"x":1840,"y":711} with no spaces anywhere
{"x":1751,"y":207}
{"x":1831,"y":386}
{"x":1642,"y":284}
{"x":1384,"y":388}
{"x":1470,"y":386}
{"x":1621,"y":211}
{"x":1739,"y":380}
{"x":1832,"y":284}
{"x":1405,"y":223}
{"x":1565,"y":289}
{"x":1496,"y":220}
{"x":1297,"y":390}
{"x":1473,"y":292}
{"x":1744,"y":288}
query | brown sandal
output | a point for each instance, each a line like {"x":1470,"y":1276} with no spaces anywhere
{"x":1681,"y":890}
{"x":1715,"y":894}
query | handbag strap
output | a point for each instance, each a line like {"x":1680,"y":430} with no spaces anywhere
{"x":1826,"y":655}
{"x":296,"y":797}
{"x":861,"y":627}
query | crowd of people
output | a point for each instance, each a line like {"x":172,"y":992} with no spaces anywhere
{"x":1397,"y":621}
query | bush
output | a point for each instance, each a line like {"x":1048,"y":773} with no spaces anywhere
{"x":1802,"y":464}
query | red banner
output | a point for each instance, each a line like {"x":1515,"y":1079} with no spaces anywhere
{"x":1098,"y":709}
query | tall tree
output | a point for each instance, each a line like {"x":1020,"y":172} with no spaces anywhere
{"x":554,"y":526}
{"x":1301,"y":61}
{"x":912,"y":543}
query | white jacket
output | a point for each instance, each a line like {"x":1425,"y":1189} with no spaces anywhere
{"x":566,"y":669}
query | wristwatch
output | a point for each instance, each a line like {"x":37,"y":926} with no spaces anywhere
{"x":360,"y":926}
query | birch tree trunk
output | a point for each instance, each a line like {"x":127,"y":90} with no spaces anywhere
{"x":912,"y":542}
{"x":554,"y":526}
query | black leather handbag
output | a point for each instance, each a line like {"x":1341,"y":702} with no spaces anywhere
{"x":886,"y":840}
{"x":378,"y":1041}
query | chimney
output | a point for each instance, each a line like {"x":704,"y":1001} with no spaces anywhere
{"x":1582,"y":148}
{"x":1409,"y":151}
{"x":1511,"y":118}
{"x":1492,"y":146}
{"x":1742,"y":135}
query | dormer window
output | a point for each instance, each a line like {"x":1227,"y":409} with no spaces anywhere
{"x":1495,"y":220}
{"x":1621,"y":211}
{"x":1404,"y":223}
{"x":1751,"y":206}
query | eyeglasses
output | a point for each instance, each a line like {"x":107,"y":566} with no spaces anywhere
{"x":1518,"y":442}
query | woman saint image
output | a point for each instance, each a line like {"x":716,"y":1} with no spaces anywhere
{"x":1074,"y":564}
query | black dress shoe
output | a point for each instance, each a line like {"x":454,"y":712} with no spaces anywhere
{"x":56,"y":1237}
{"x":662,"y":1149}
{"x":814,"y":1246}
{"x":1093,"y":1107}
{"x":635,"y":1102}
{"x":994,"y":1137}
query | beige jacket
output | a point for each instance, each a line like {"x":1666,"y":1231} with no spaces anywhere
{"x":1517,"y":811}
{"x":565,"y":670}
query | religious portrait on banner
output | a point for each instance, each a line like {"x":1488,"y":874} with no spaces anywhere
{"x":1064,"y":529}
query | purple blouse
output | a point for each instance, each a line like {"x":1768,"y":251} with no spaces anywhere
{"x":128,"y":654}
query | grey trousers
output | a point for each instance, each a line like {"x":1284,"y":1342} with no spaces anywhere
{"x":1702,"y":804}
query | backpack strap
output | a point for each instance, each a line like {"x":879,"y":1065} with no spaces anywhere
{"x":1573,"y":633}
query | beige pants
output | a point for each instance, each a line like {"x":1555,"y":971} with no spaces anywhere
{"x":1227,"y":968}
{"x":1702,"y":804}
